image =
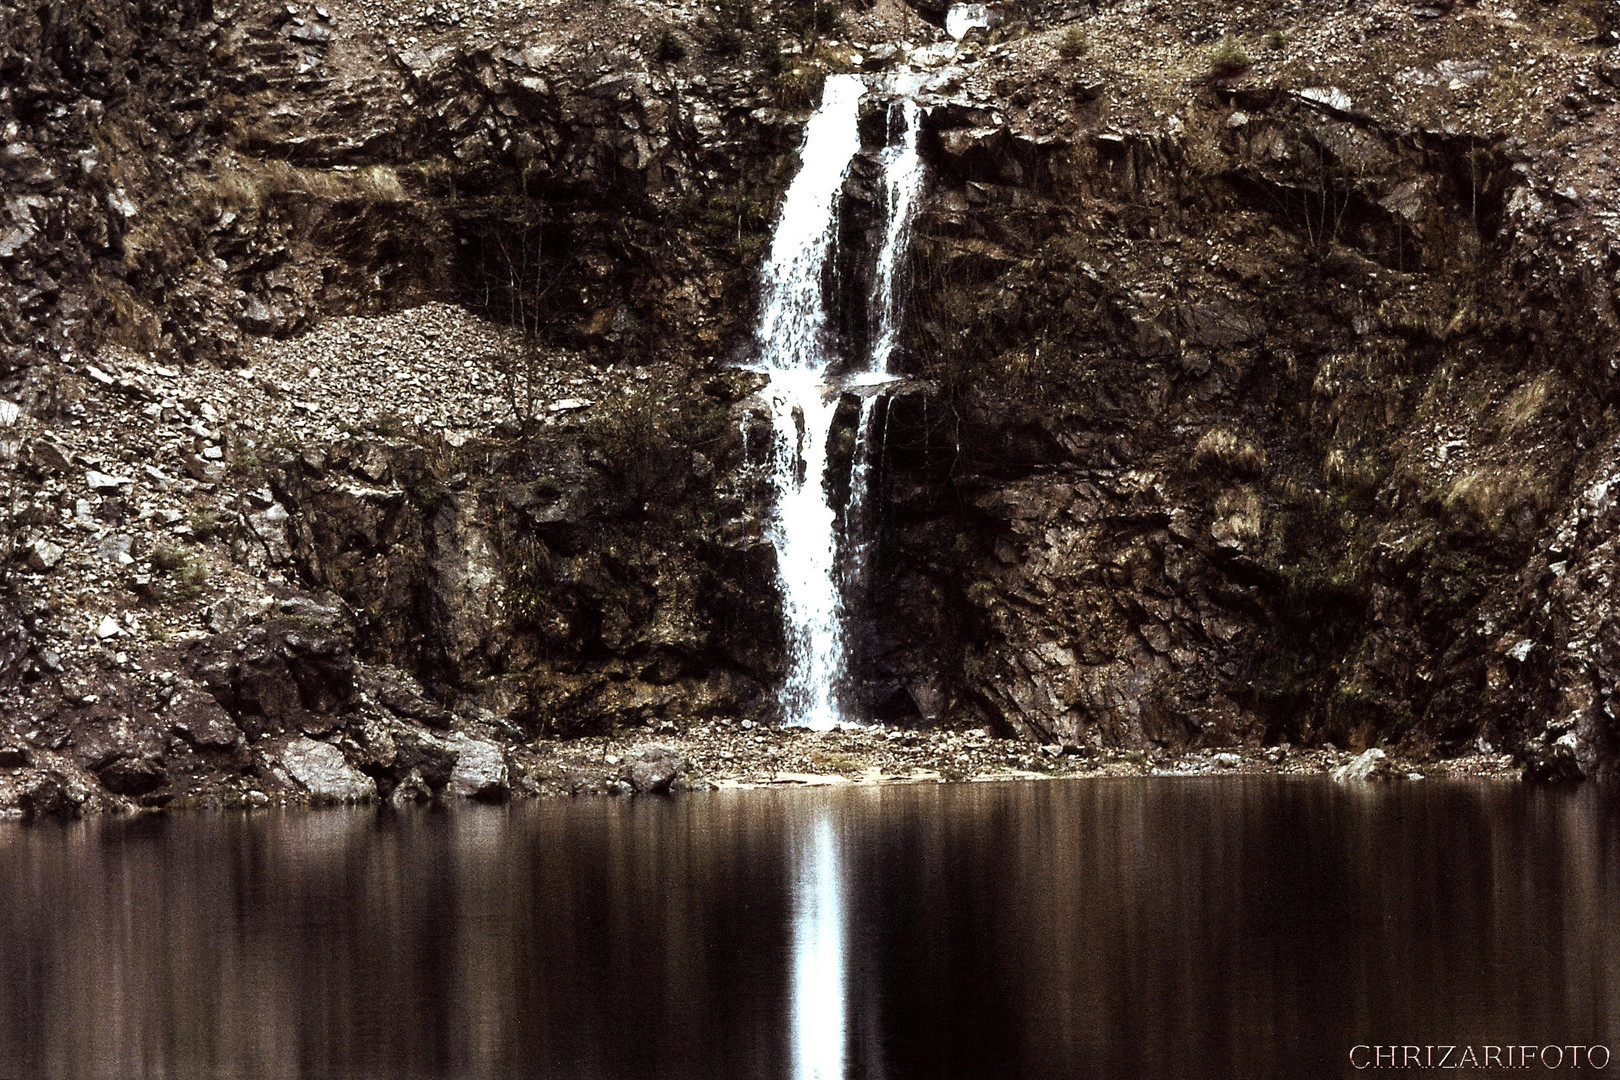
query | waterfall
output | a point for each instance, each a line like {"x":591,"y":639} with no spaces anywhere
{"x":960,"y":18}
{"x":796,"y":351}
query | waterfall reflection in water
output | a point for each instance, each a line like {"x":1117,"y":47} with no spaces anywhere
{"x":1234,"y":928}
{"x":818,"y":955}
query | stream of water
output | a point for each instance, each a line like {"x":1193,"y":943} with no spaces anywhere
{"x":820,"y":551}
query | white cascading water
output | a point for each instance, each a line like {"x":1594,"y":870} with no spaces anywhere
{"x":796,"y":353}
{"x":960,"y":18}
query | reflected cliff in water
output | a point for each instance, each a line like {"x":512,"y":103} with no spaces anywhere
{"x":1254,"y":927}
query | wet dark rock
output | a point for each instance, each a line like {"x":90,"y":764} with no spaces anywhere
{"x":133,"y":775}
{"x":398,"y":692}
{"x":1553,"y":760}
{"x":50,"y":795}
{"x":198,"y":717}
{"x":287,"y":674}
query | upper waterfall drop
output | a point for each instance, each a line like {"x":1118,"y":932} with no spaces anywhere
{"x":793,"y":322}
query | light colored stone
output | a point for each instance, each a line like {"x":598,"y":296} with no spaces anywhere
{"x":320,"y":769}
{"x":44,"y":555}
{"x":100,"y":481}
{"x":1370,"y":764}
{"x":480,"y":771}
{"x":270,"y":525}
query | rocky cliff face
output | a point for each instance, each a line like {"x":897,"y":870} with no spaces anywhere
{"x":1275,"y":406}
{"x":367,"y":402}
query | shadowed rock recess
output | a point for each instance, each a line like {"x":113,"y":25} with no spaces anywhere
{"x":374,"y":423}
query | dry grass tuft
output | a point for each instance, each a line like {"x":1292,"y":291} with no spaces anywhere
{"x":249,"y":186}
{"x":1240,"y":511}
{"x":1222,"y":450}
{"x":1489,"y":493}
{"x":1525,"y":404}
{"x":798,"y":89}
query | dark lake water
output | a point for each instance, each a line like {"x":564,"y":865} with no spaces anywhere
{"x":1239,"y":927}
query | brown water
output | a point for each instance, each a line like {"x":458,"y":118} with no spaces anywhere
{"x":1240,"y":927}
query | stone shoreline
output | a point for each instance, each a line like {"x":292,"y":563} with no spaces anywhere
{"x":733,"y":757}
{"x":746,"y":756}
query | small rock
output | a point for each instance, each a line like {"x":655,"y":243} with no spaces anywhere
{"x":413,"y":788}
{"x":100,"y":481}
{"x":44,"y":555}
{"x":208,"y":472}
{"x":116,"y":548}
{"x":49,"y":456}
{"x":108,"y":628}
{"x":1228,"y":761}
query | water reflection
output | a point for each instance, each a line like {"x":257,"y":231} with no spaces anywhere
{"x":1253,"y":928}
{"x":818,"y":954}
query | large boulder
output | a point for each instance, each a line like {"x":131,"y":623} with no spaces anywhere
{"x":652,"y":769}
{"x":323,"y":772}
{"x":197,"y":717}
{"x":480,"y":772}
{"x":49,"y":794}
{"x":1370,"y":764}
{"x":124,"y":751}
{"x":287,"y":675}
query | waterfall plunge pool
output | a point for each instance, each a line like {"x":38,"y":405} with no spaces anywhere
{"x":1200,"y":927}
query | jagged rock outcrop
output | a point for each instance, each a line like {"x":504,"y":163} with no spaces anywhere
{"x":1277,"y":413}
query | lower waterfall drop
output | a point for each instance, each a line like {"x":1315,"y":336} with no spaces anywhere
{"x":796,"y":351}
